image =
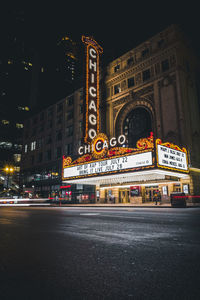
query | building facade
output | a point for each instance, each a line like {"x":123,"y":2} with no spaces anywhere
{"x":155,"y":87}
{"x":152,"y":93}
{"x":48,"y":135}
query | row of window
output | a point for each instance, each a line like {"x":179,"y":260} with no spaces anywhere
{"x":8,"y":145}
{"x":69,"y":130}
{"x":17,"y":125}
{"x":139,"y":55}
{"x":146,"y":75}
{"x":48,"y":155}
{"x":59,"y":108}
{"x":49,"y":139}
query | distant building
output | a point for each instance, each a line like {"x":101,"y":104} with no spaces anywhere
{"x":56,"y":73}
{"x":15,"y":72}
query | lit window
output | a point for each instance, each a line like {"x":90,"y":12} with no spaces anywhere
{"x":5,"y":122}
{"x":116,"y":68}
{"x":5,"y":145}
{"x":117,"y":89}
{"x":33,"y":145}
{"x":17,"y":169}
{"x":25,"y":148}
{"x":17,"y":157}
{"x":23,"y":108}
{"x":19,"y":125}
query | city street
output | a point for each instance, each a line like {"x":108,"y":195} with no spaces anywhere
{"x":99,"y":253}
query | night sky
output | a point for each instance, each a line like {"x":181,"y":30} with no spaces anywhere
{"x":117,"y":26}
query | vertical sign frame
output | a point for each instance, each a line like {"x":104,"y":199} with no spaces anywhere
{"x":93,"y":51}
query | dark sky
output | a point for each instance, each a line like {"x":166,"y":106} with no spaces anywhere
{"x":118,"y":26}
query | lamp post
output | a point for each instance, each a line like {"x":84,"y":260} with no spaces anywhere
{"x":8,"y":170}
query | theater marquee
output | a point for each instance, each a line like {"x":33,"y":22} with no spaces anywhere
{"x":119,"y":164}
{"x":172,"y":157}
{"x":93,"y":51}
{"x":108,"y":157}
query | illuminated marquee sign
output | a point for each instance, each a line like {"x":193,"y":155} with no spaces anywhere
{"x":100,"y":144}
{"x":170,"y":156}
{"x":93,"y":51}
{"x":108,"y":166}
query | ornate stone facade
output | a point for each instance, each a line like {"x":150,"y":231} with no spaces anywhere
{"x":158,"y":75}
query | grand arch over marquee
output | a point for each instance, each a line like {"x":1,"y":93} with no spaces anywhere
{"x":128,"y":108}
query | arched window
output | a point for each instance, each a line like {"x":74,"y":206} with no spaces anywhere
{"x":137,"y":124}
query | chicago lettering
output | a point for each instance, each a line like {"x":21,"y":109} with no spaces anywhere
{"x":102,"y":145}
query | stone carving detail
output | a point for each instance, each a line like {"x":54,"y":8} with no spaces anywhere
{"x":121,"y":101}
{"x":138,"y":94}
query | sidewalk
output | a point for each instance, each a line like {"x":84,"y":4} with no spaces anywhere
{"x":122,"y":205}
{"x":118,"y":205}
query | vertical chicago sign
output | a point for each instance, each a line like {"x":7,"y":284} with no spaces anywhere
{"x":93,"y":51}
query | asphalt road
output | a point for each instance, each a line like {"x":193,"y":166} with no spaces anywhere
{"x":74,"y":253}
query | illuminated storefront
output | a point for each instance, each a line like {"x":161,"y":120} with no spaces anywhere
{"x":130,"y":175}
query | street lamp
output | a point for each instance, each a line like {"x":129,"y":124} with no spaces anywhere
{"x":9,"y":170}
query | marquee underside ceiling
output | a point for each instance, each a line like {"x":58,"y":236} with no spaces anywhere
{"x":139,"y":177}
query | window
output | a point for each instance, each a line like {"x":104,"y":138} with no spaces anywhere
{"x":130,"y":61}
{"x":165,"y":65}
{"x":50,"y":113}
{"x":58,"y":152}
{"x":34,"y":132}
{"x":117,"y":89}
{"x":40,"y":157}
{"x":146,"y":75}
{"x":33,"y":145}
{"x":80,"y":126}
{"x":81,"y":94}
{"x":5,"y":122}
{"x":68,"y":149}
{"x":50,"y":124}
{"x":136,"y":125}
{"x":59,"y":119}
{"x":131,"y":82}
{"x":59,"y":107}
{"x":42,"y":116}
{"x":81,"y":108}
{"x":23,"y":108}
{"x":5,"y":145}
{"x":161,"y":43}
{"x":116,"y":68}
{"x":69,"y":130}
{"x":145,"y":52}
{"x":25,"y":148}
{"x":19,"y":125}
{"x":70,"y":100}
{"x":49,"y":139}
{"x":40,"y":142}
{"x":32,"y":159}
{"x":41,"y":128}
{"x":69,"y":115}
{"x":17,"y":157}
{"x":58,"y":135}
{"x":17,"y":147}
{"x":48,"y":154}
